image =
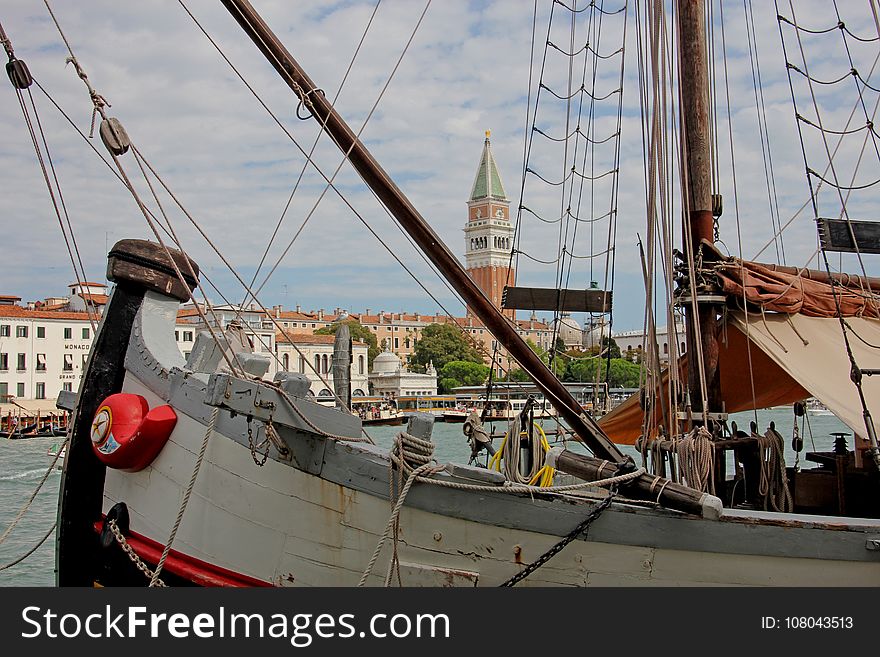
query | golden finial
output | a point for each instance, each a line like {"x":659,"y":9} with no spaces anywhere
{"x":488,"y":132}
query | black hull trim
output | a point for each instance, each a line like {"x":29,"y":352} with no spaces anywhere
{"x":82,"y":482}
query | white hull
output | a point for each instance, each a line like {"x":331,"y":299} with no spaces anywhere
{"x":290,"y":528}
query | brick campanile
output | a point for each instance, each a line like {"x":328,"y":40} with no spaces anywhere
{"x":488,"y":234}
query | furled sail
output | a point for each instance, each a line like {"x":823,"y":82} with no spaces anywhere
{"x":779,"y":289}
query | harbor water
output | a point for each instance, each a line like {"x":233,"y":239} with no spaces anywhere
{"x":24,"y":462}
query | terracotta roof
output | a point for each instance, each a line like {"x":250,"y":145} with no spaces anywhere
{"x":10,"y":296}
{"x":307,"y":338}
{"x":298,"y":316}
{"x":24,"y":313}
{"x":100,"y":299}
{"x":89,"y":283}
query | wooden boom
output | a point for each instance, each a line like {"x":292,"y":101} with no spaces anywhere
{"x":418,"y":229}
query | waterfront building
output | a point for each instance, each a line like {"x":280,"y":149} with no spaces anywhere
{"x":312,"y":355}
{"x":632,"y":343}
{"x":390,"y":377}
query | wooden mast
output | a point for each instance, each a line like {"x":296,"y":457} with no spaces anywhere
{"x":417,"y":228}
{"x":695,"y":128}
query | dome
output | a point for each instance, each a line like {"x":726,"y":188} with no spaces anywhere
{"x":386,"y":363}
{"x":569,"y":330}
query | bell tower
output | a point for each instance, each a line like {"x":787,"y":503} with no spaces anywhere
{"x":488,"y":234}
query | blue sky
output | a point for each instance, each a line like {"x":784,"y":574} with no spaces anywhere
{"x":466,"y":71}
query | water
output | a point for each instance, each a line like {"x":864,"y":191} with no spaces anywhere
{"x":23,"y":463}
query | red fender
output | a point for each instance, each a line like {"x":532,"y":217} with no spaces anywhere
{"x":127,"y":435}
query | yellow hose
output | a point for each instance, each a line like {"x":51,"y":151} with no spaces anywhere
{"x":544,"y":476}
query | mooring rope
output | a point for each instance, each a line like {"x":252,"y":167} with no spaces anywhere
{"x":27,"y":505}
{"x":155,"y":578}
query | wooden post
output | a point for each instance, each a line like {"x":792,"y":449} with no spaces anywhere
{"x":695,"y":128}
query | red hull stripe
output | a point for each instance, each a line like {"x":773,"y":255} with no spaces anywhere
{"x":195,"y":570}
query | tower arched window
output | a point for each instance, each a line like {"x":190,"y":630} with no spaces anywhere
{"x":324,"y":365}
{"x":318,"y":363}
{"x":360,"y":364}
{"x":285,"y":362}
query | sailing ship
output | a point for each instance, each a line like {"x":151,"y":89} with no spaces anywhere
{"x":197,"y":471}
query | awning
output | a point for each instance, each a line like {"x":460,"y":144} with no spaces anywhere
{"x":30,"y":407}
{"x":792,"y":357}
{"x":812,"y":351}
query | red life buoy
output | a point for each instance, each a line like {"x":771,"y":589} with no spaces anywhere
{"x":127,"y":435}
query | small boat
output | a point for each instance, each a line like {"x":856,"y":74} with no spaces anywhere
{"x":20,"y":433}
{"x":815,"y":407}
{"x":377,"y":411}
{"x":456,"y":415}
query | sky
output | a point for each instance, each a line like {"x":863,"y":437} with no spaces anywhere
{"x":466,"y":71}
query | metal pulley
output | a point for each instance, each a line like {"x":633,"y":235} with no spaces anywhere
{"x":114,"y":136}
{"x":717,"y":205}
{"x":19,"y":74}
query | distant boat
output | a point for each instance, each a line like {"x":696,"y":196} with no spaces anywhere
{"x":815,"y":407}
{"x":376,"y":410}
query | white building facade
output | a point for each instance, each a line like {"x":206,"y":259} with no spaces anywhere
{"x":391,"y":378}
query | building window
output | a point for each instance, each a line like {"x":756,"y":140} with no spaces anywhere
{"x":19,"y":390}
{"x":41,"y":331}
{"x":285,"y":362}
{"x":68,"y":363}
{"x":85,"y":334}
{"x":177,"y":336}
{"x":67,"y":386}
{"x":4,"y":361}
{"x":21,"y":331}
{"x":683,"y":347}
{"x":4,"y":330}
{"x":4,"y":392}
{"x":41,"y":390}
{"x":302,"y":364}
{"x":41,"y":362}
{"x":665,"y":348}
{"x":325,"y":366}
{"x":396,"y":343}
{"x":317,"y":363}
{"x":21,"y":363}
{"x":68,"y":333}
{"x":187,"y":336}
{"x":360,"y":364}
{"x":85,"y":360}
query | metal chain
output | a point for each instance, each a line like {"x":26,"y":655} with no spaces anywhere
{"x":577,"y":531}
{"x":136,"y":560}
{"x":254,"y":447}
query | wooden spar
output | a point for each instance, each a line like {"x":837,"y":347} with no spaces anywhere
{"x":847,"y":280}
{"x":418,"y":229}
{"x":646,"y":487}
{"x":695,"y":128}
